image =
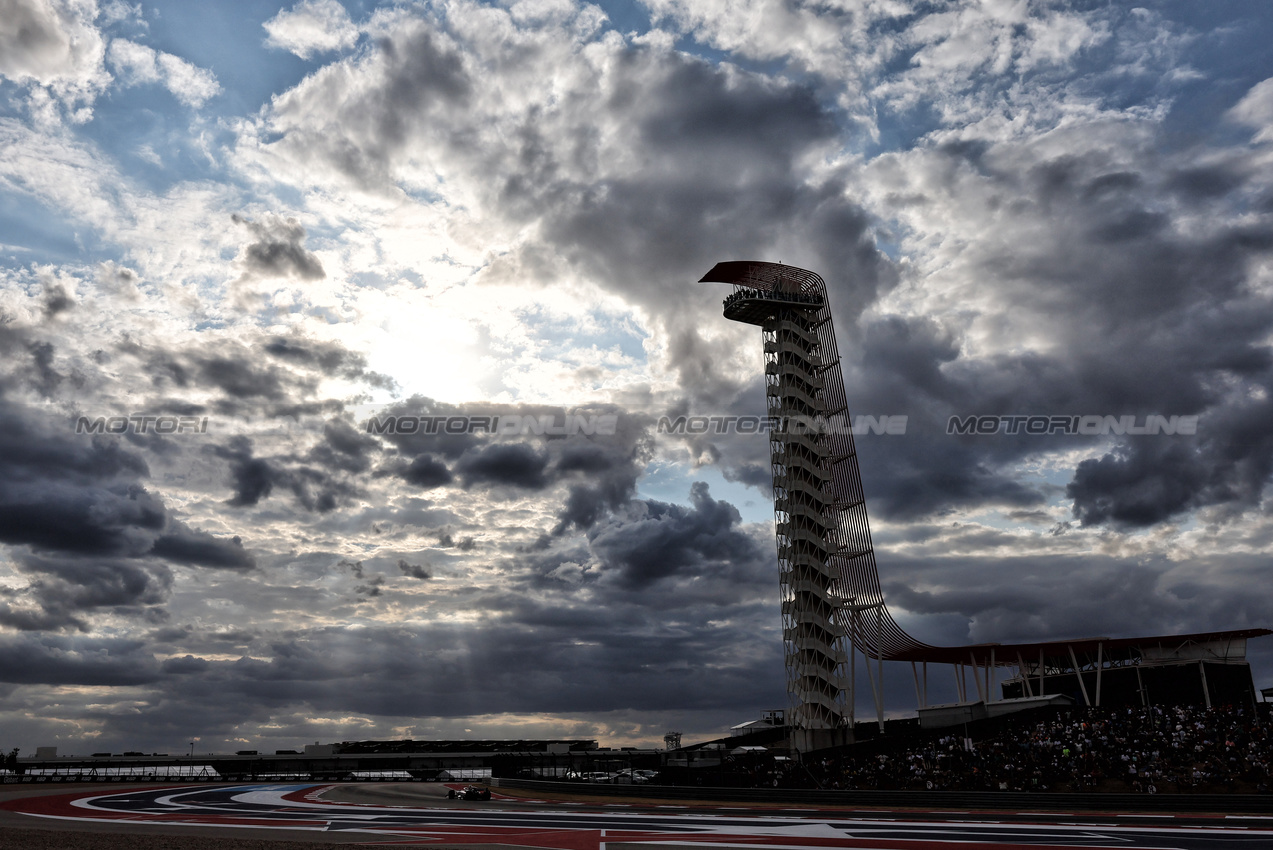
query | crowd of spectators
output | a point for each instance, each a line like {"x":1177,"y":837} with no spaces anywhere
{"x":1149,"y":750}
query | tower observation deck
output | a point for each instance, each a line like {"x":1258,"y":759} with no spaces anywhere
{"x":832,"y":605}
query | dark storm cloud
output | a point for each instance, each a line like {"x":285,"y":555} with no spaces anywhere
{"x":64,"y":589}
{"x":374,"y":587}
{"x":85,"y":532}
{"x":119,"y":519}
{"x":1203,"y":182}
{"x":270,"y":375}
{"x":56,"y":300}
{"x":931,"y":472}
{"x":1050,"y":597}
{"x":610,"y":472}
{"x":584,"y":505}
{"x":46,"y":379}
{"x":278,"y":250}
{"x":751,"y":474}
{"x":1143,"y":482}
{"x":254,"y":478}
{"x":182,"y":545}
{"x":329,"y":358}
{"x":427,"y":472}
{"x":242,"y":378}
{"x":229,"y":366}
{"x":72,"y":494}
{"x":185,"y":665}
{"x":446,"y":540}
{"x":418,"y":72}
{"x":667,"y":541}
{"x":75,"y":495}
{"x":52,"y":660}
{"x":443,"y":445}
{"x":515,"y":464}
{"x":524,"y":657}
{"x":599,"y":470}
{"x":414,"y":570}
{"x":1144,"y":315}
{"x":344,"y":447}
{"x":708,"y":188}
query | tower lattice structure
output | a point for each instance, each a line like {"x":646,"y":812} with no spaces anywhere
{"x":831,"y":599}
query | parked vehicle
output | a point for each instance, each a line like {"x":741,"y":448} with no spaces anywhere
{"x":631,"y":777}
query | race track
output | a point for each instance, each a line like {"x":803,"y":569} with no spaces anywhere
{"x":415,"y":814}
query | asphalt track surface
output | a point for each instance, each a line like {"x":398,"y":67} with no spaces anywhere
{"x":415,"y":814}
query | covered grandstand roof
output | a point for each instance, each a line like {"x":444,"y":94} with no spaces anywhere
{"x":1006,"y":654}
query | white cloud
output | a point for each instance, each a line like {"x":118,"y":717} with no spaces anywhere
{"x":48,"y":41}
{"x":116,"y":11}
{"x":189,"y":83}
{"x":310,"y":27}
{"x":138,"y":64}
{"x":1255,"y":109}
{"x":53,"y":47}
{"x":134,"y":62}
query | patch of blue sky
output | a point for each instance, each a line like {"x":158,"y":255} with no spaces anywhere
{"x":274,"y":314}
{"x":371,"y":280}
{"x":326,"y":314}
{"x":899,"y":129}
{"x":319,"y":233}
{"x":285,"y":197}
{"x":626,"y":16}
{"x":612,"y":332}
{"x":421,"y":195}
{"x":889,"y":247}
{"x":691,"y":46}
{"x":150,"y":141}
{"x":12,"y":99}
{"x":228,"y":39}
{"x":1050,"y":478}
{"x":1236,"y":57}
{"x":31,"y":233}
{"x":670,"y":482}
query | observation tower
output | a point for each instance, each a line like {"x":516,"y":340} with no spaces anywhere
{"x":830,"y":587}
{"x":832,"y":606}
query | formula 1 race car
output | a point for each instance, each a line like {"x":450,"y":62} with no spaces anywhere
{"x":470,"y":792}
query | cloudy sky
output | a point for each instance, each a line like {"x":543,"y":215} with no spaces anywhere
{"x":281,"y":220}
